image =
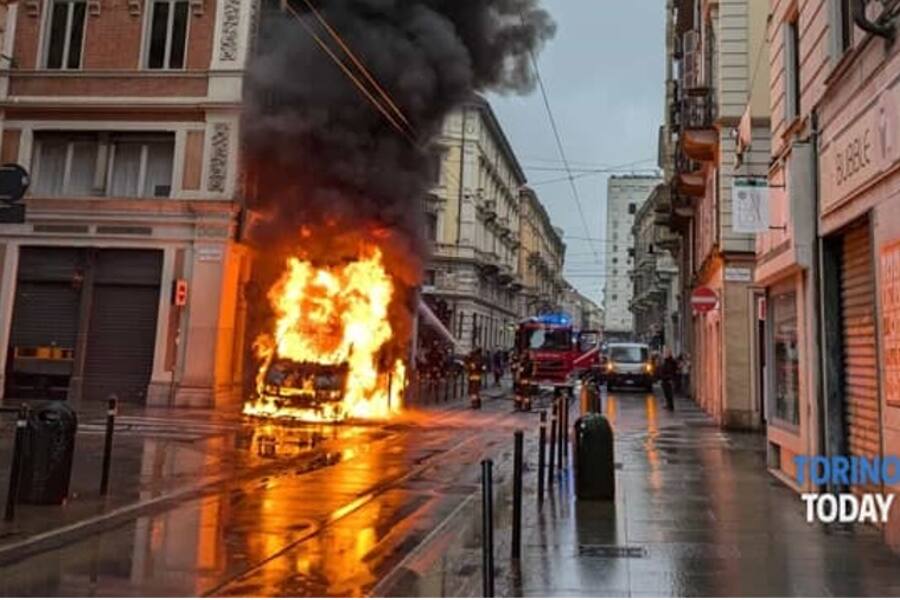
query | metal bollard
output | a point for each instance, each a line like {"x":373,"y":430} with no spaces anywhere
{"x":564,"y":431}
{"x":15,"y":469}
{"x":551,"y":463}
{"x":542,"y":450}
{"x":112,"y":410}
{"x":487,"y":529}
{"x":560,"y":423}
{"x":517,"y":495}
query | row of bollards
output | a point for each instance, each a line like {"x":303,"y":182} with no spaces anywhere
{"x":27,"y":439}
{"x":433,"y":391}
{"x":558,"y":447}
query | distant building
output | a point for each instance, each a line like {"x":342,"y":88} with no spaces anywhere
{"x":654,"y":275}
{"x":625,"y":196}
{"x":541,"y":257}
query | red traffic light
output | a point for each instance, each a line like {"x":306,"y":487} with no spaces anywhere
{"x":180,"y":292}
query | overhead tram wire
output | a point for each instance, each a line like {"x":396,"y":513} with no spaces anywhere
{"x":361,"y":66}
{"x":559,"y":145}
{"x":409,"y":135}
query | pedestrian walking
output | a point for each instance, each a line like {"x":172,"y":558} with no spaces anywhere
{"x":668,"y":371}
{"x":685,"y":373}
{"x":498,"y":366}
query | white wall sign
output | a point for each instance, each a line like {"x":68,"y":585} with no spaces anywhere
{"x":738,"y":274}
{"x":209,"y":254}
{"x":750,"y":206}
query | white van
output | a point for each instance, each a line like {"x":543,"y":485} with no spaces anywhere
{"x":629,"y":364}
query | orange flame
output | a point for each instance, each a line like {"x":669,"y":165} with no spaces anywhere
{"x":334,"y":316}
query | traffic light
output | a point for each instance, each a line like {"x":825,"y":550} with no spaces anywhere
{"x":180,"y":292}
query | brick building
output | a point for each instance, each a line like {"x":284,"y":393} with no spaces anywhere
{"x":126,"y":113}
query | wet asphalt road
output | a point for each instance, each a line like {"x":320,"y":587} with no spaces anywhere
{"x":332,"y":524}
{"x":394,"y":510}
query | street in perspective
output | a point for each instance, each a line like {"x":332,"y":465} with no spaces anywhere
{"x":449,"y":298}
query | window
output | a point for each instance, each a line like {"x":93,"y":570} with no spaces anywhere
{"x":841,"y":27}
{"x":168,"y":34}
{"x":632,"y":208}
{"x":435,"y":167}
{"x":431,"y":226}
{"x":141,"y":167}
{"x":429,"y":277}
{"x":82,"y":164}
{"x":792,"y":70}
{"x":786,"y":351}
{"x":65,"y":34}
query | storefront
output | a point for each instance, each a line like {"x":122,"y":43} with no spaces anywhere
{"x":786,"y":267}
{"x":859,"y":208}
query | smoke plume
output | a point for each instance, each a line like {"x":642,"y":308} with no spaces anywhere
{"x":323,"y":157}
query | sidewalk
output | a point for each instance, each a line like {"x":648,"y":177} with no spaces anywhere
{"x":696,"y":514}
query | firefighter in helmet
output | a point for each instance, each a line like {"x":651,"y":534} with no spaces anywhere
{"x":475,"y":366}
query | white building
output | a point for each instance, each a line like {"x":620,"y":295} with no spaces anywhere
{"x":625,"y":195}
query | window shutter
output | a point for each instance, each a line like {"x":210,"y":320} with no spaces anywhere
{"x":835,"y":33}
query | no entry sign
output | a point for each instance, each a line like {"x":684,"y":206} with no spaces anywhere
{"x":704,"y":299}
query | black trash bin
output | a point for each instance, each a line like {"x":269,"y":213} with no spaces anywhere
{"x":595,"y":477}
{"x":47,"y":454}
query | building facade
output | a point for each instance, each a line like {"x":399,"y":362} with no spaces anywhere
{"x":541,"y":257}
{"x":127,"y":117}
{"x":625,"y":195}
{"x":830,"y":266}
{"x":717,"y":69}
{"x":473,"y":220}
{"x":654,"y":274}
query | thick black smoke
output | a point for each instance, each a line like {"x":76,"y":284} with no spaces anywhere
{"x":322,"y":156}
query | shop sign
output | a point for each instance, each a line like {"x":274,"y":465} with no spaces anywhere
{"x":750,"y":205}
{"x":859,"y":153}
{"x":890,"y":321}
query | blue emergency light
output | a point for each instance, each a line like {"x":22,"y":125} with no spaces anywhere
{"x":554,"y":319}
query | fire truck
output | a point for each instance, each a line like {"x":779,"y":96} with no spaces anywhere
{"x":551,"y":355}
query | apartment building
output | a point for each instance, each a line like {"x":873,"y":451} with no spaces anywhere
{"x":716,"y":71}
{"x":473,"y":216}
{"x":625,"y":195}
{"x":124,"y":277}
{"x":656,"y":296}
{"x":541,"y":257}
{"x":829,"y":262}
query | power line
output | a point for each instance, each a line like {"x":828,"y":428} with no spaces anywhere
{"x":359,"y":65}
{"x":559,"y":145}
{"x":352,"y":77}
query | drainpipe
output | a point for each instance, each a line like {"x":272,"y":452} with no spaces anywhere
{"x":884,"y":29}
{"x":821,"y":409}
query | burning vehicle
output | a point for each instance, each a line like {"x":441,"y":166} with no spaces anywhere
{"x":344,"y":104}
{"x":328,"y":356}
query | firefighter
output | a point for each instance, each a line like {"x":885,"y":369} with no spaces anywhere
{"x":475,"y":367}
{"x":524,"y":371}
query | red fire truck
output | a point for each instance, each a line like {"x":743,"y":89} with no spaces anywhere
{"x":550,"y":355}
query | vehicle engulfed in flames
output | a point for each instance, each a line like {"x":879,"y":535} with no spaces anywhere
{"x":305,"y":385}
{"x":328,"y":356}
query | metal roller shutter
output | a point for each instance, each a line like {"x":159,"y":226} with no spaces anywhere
{"x":45,"y":322}
{"x":860,"y":355}
{"x":121,"y":341}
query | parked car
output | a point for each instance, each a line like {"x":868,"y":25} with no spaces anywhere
{"x":629,"y":364}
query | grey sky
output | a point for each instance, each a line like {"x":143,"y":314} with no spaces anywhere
{"x":604,"y":73}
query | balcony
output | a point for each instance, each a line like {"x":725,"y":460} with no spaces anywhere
{"x":699,"y":136}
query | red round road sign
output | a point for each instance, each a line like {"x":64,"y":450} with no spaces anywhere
{"x":704,"y":299}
